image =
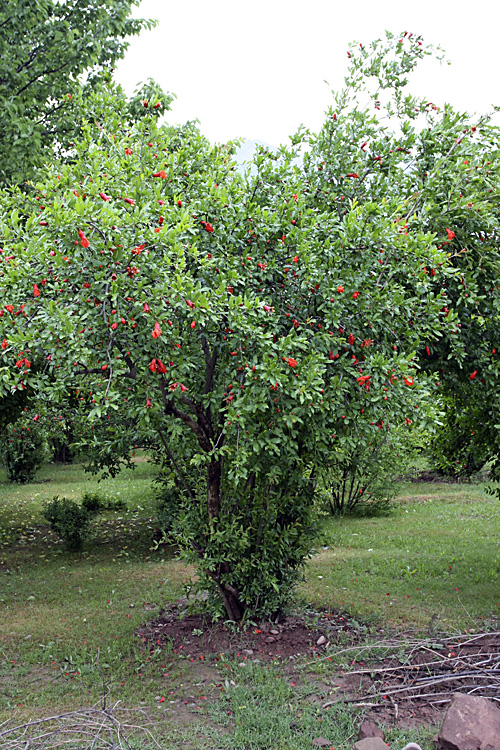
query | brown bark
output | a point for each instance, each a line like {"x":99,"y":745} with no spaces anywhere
{"x":230,"y":598}
{"x":214,"y":474}
{"x":229,"y":595}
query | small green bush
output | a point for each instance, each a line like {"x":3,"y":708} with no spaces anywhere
{"x":113,"y":504}
{"x":363,"y":480}
{"x":23,"y":450}
{"x":93,"y":502}
{"x":68,"y":520}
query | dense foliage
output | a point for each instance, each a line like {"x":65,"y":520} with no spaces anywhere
{"x":444,"y":171}
{"x":23,"y":449}
{"x":69,"y":520}
{"x":52,"y":51}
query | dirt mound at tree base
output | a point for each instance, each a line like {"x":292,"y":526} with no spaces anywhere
{"x":196,"y":637}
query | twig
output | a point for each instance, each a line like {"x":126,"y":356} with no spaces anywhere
{"x":87,"y":725}
{"x":467,"y":668}
{"x":467,"y":612}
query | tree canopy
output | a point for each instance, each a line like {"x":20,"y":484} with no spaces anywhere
{"x":47,"y":47}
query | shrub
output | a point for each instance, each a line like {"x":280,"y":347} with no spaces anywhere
{"x":68,"y":520}
{"x":111,"y":503}
{"x":363,"y":479}
{"x":463,"y":445}
{"x":95,"y":503}
{"x":92,"y":502}
{"x":23,"y":451}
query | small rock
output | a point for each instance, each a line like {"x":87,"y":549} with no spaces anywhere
{"x":321,"y":742}
{"x":274,"y":632}
{"x":370,"y":729}
{"x":242,"y":664}
{"x":321,"y":640}
{"x":470,"y":723}
{"x":370,"y":743}
{"x":270,"y":639}
{"x":247,"y":651}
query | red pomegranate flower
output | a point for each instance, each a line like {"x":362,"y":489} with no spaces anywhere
{"x":83,"y":240}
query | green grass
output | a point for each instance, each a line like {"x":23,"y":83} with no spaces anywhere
{"x":438,"y":553}
{"x":70,"y":619}
{"x":20,"y":505}
{"x":62,"y":608}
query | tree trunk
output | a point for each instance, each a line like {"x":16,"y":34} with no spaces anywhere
{"x":228,"y":593}
{"x":214,"y":475}
{"x":232,"y":604}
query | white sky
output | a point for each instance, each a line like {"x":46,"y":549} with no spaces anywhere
{"x":257,"y":70}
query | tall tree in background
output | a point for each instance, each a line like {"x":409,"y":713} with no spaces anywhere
{"x":379,"y":143}
{"x":48,"y":49}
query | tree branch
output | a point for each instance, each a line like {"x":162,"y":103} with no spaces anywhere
{"x":171,"y":409}
{"x":176,"y":467}
{"x":211,"y":361}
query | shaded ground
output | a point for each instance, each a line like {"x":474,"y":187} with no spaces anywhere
{"x":429,"y":476}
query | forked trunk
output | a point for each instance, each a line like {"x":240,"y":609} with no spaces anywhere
{"x":232,"y":604}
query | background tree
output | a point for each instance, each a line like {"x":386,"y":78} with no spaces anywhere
{"x":53,"y":55}
{"x":23,"y":449}
{"x":442,"y":169}
{"x":49,"y":49}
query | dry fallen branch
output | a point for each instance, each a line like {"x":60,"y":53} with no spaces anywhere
{"x":95,"y":728}
{"x":431,"y":671}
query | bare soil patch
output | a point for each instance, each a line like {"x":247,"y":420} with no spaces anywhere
{"x":292,"y":637}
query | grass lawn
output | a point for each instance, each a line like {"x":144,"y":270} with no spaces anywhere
{"x":437,"y":555}
{"x":68,"y":620}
